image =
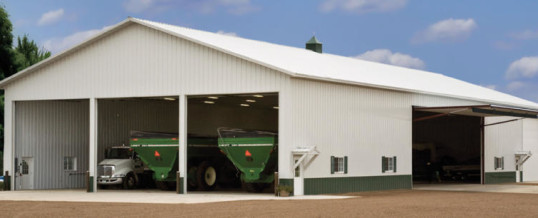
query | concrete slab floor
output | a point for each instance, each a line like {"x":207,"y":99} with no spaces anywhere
{"x":504,"y":188}
{"x":146,"y":196}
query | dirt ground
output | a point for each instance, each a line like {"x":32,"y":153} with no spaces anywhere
{"x":373,"y":204}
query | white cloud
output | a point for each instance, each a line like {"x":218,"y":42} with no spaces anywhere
{"x":525,"y":35}
{"x":388,"y":57}
{"x":515,"y":85}
{"x":237,"y":7}
{"x":59,"y":44}
{"x":526,"y":67}
{"x":51,"y":17}
{"x":447,"y":30}
{"x":362,"y":6}
{"x":227,"y":33}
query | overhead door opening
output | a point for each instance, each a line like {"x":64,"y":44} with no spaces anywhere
{"x":122,"y":165}
{"x":232,"y":142}
{"x":446,"y":149}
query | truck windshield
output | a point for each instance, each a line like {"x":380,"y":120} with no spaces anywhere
{"x":118,"y":153}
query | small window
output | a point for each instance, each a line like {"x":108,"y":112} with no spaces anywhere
{"x":297,"y":170}
{"x":338,"y":164}
{"x":24,"y":168}
{"x":70,"y":163}
{"x":498,"y":163}
{"x":388,"y":164}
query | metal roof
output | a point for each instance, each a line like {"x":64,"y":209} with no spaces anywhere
{"x":302,"y":63}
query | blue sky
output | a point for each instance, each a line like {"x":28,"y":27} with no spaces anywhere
{"x":492,"y":43}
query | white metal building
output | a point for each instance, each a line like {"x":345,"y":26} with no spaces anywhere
{"x":359,"y":122}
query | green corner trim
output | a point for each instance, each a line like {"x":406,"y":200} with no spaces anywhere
{"x":520,"y":176}
{"x":90,"y":184}
{"x":499,"y":177}
{"x":314,"y":186}
{"x":179,"y":186}
{"x":7,"y":183}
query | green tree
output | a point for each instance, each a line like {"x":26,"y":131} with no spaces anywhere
{"x":7,"y":56}
{"x":27,"y":53}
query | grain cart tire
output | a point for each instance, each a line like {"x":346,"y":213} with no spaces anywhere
{"x":254,"y":187}
{"x":206,"y":176}
{"x":129,"y":182}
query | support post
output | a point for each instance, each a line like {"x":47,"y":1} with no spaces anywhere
{"x":183,"y":142}
{"x":92,"y":180}
{"x":9,"y":145}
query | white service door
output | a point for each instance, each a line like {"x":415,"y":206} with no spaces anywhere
{"x":27,"y":173}
{"x":298,"y":181}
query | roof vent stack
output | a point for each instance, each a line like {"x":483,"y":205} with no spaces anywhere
{"x":314,"y":45}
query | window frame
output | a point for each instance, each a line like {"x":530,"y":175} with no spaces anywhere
{"x":498,"y":163}
{"x":338,"y":165}
{"x":70,"y":163}
{"x":388,"y":164}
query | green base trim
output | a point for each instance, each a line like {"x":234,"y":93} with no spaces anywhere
{"x":90,"y":184}
{"x":499,"y":177}
{"x":7,"y":183}
{"x":314,"y":186}
{"x":179,"y":186}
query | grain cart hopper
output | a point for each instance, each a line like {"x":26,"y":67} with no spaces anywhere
{"x":207,"y":167}
{"x":253,"y":153}
{"x":159,"y":151}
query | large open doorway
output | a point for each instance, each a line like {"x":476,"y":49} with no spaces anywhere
{"x":210,"y":167}
{"x":446,"y":149}
{"x":120,"y":166}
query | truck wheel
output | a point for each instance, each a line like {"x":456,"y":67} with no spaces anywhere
{"x":206,"y":176}
{"x":129,"y":182}
{"x":254,"y":187}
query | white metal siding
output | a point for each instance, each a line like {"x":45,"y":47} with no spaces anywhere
{"x":139,"y":61}
{"x":530,"y":143}
{"x":502,"y":140}
{"x":49,"y":131}
{"x":361,"y":123}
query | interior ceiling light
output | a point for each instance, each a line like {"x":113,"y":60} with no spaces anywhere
{"x":258,"y":96}
{"x":169,"y":99}
{"x":213,"y":97}
{"x":245,"y":105}
{"x":209,"y":102}
{"x":275,"y":107}
{"x":251,"y":100}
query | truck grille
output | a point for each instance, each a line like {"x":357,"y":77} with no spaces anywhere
{"x":106,"y":171}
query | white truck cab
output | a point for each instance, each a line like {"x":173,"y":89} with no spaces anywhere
{"x":122,"y":167}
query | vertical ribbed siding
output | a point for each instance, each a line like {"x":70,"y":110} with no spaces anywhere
{"x":530,"y":143}
{"x":117,"y":117}
{"x":502,"y":141}
{"x":48,"y":131}
{"x":139,"y":61}
{"x":341,"y":120}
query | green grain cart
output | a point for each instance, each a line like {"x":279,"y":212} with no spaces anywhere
{"x":207,"y":167}
{"x":254,"y":153}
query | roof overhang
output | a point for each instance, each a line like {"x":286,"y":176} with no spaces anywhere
{"x":479,"y":111}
